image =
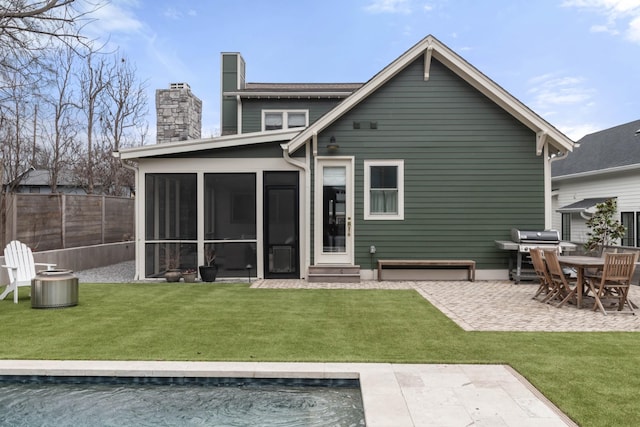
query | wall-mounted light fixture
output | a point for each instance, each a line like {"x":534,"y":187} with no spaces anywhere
{"x":638,"y":132}
{"x":333,"y":145}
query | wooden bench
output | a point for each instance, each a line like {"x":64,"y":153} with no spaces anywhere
{"x":470,"y":265}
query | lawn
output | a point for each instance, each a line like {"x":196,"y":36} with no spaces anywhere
{"x":593,"y":377}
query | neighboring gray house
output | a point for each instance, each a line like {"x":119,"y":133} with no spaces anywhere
{"x":429,"y":159}
{"x":37,"y":181}
{"x":604,"y":165}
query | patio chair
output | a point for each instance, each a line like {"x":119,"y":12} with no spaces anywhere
{"x":547,"y":288}
{"x":20,"y":267}
{"x":614,"y":282}
{"x":566,"y":288}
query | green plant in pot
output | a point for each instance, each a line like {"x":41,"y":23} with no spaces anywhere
{"x":209,"y":271}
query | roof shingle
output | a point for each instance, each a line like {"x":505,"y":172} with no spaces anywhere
{"x":610,"y":148}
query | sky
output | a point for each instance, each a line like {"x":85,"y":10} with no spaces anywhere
{"x":576,"y":63}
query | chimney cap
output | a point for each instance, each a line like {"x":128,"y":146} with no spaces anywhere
{"x":179,"y":86}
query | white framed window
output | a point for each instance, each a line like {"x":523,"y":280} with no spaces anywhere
{"x":384,"y":189}
{"x":284,"y":119}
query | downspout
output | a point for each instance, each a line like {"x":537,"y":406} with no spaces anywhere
{"x":135,"y":170}
{"x":584,"y":216}
{"x":548,"y":212}
{"x":307,"y":196}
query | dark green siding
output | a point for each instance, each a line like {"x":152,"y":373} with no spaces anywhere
{"x":231,"y":66}
{"x":264,"y":150}
{"x":471,"y":173}
{"x":252,"y":109}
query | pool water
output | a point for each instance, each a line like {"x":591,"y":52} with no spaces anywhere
{"x":46,"y":402}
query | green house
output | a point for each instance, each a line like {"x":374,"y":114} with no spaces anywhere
{"x":429,"y":159}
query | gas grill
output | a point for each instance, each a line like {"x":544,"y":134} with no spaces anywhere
{"x":522,"y":242}
{"x":527,"y":240}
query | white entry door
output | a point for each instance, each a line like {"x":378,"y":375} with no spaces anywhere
{"x":334,"y":211}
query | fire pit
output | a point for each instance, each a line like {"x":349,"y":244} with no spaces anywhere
{"x":54,"y":289}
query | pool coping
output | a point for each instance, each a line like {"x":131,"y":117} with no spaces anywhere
{"x":394,"y":395}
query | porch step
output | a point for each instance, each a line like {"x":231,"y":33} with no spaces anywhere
{"x":334,"y":273}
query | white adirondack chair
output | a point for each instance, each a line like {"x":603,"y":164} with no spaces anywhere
{"x":20,"y":267}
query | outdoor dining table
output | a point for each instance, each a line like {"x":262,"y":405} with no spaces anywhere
{"x":581,"y":263}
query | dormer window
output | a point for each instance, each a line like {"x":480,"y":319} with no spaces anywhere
{"x":282,"y":119}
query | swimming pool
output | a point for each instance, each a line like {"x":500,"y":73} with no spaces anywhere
{"x":145,"y":401}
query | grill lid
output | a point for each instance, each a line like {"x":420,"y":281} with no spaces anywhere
{"x":544,"y":236}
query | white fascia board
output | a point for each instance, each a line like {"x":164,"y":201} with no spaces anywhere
{"x":464,"y":70}
{"x":177,"y":147}
{"x":356,"y":97}
{"x":587,"y":174}
{"x":274,"y":94}
{"x":501,"y":97}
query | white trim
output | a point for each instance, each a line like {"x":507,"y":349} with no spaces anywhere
{"x":597,"y":172}
{"x":548,"y":203}
{"x":427,"y":62}
{"x":320,"y":257}
{"x":541,"y":138}
{"x":292,"y":94}
{"x":200,"y":208}
{"x":367,"y":189}
{"x":285,"y":119}
{"x":140,"y":232}
{"x":259,"y":267}
{"x":459,"y":66}
{"x":305,"y":217}
{"x":200,"y":167}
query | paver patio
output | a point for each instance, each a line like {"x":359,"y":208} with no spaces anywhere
{"x":492,"y":305}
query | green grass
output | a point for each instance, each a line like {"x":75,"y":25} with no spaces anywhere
{"x":593,"y":377}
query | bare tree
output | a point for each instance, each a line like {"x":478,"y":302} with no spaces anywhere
{"x":93,"y":79}
{"x":61,"y":131}
{"x":122,"y":121}
{"x":29,"y":28}
{"x":105,"y":93}
{"x":29,"y":31}
{"x":15,"y":126}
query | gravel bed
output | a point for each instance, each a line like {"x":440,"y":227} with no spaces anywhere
{"x":123,"y":272}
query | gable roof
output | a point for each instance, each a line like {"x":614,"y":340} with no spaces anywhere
{"x":432,"y":47}
{"x":609,"y":150}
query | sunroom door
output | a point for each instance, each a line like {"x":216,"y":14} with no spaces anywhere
{"x":334,"y":211}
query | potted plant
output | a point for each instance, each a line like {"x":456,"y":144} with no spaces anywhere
{"x":189,"y":275}
{"x":171,"y":264}
{"x":209,"y":271}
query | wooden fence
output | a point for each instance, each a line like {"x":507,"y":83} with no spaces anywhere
{"x":59,"y":221}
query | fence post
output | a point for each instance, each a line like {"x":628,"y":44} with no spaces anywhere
{"x":14,"y":217}
{"x":102,"y":231}
{"x":63,"y":219}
